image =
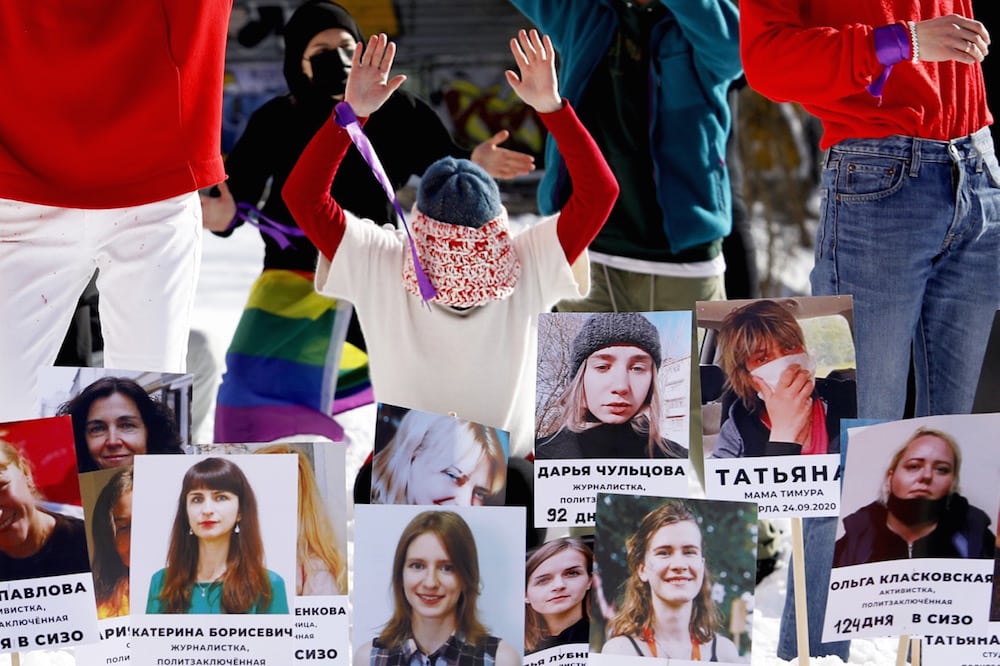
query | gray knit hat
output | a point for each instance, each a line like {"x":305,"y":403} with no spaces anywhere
{"x":607,"y":329}
{"x":460,"y":192}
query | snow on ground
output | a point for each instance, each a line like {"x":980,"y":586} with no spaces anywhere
{"x":230,"y":265}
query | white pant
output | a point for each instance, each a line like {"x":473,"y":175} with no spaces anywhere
{"x":148,"y":258}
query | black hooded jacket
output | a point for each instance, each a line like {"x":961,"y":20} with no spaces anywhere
{"x":406,"y":133}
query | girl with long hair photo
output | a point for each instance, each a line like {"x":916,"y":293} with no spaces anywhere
{"x":320,"y":566}
{"x":435,"y":589}
{"x":111,"y":531}
{"x":215,"y":560}
{"x":667,"y":610}
{"x":611,"y":406}
{"x":558,"y":578}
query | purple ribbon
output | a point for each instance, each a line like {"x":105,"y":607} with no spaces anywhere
{"x":892,"y":45}
{"x":347,"y":119}
{"x":277,"y":231}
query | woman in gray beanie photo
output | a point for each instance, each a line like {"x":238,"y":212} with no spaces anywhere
{"x":611,"y":406}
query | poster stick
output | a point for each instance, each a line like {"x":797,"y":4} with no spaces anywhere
{"x":915,"y":651}
{"x":15,"y":659}
{"x":904,"y":642}
{"x":799,"y":570}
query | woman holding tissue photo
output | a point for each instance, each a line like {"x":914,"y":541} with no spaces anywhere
{"x":781,"y":408}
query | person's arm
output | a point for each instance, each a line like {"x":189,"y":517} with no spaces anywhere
{"x":557,"y":18}
{"x":712,"y":28}
{"x":594,"y":186}
{"x":307,"y":190}
{"x":249,"y":165}
{"x":786,"y":61}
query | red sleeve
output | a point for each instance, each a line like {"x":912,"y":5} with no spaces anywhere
{"x":787,"y":61}
{"x":595,"y":189}
{"x":307,"y":189}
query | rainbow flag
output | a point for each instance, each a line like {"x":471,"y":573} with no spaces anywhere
{"x":288,"y":368}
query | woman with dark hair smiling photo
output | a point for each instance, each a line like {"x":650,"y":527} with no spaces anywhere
{"x":114,"y":419}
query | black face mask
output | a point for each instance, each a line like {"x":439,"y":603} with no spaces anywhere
{"x":917,"y":510}
{"x":330,"y":70}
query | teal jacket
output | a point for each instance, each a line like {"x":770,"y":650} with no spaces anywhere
{"x":695,"y":57}
{"x":210,"y":603}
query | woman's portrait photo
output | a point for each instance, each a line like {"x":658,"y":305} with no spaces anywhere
{"x":613,"y":385}
{"x":107,"y":496}
{"x":215,"y":555}
{"x":121,"y":415}
{"x":674,"y":578}
{"x":434,"y":459}
{"x":320,"y":560}
{"x":777,"y":375}
{"x":558,"y":576}
{"x":914,"y":468}
{"x":41,"y":519}
{"x":451,"y":599}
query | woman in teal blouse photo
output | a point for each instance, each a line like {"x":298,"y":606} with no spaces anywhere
{"x":215,"y":562}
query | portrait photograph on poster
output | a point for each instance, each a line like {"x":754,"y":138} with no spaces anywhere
{"x":213,"y":555}
{"x":916,"y":527}
{"x":612,"y":395}
{"x":777,"y":377}
{"x":437,"y":459}
{"x":321,"y":544}
{"x":438,"y":582}
{"x":558,"y":578}
{"x":118,"y":414}
{"x":43,"y":539}
{"x":107,"y":505}
{"x":673,"y":579}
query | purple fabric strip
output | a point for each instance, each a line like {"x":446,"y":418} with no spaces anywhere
{"x":347,"y":119}
{"x":277,"y":231}
{"x":892,"y":45}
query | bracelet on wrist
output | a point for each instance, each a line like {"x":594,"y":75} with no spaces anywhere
{"x":914,"y":42}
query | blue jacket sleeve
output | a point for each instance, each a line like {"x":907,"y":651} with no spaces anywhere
{"x":712,"y":27}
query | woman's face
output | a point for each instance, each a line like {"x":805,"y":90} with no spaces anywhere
{"x":121,"y":519}
{"x":330,"y":39}
{"x":674,"y":566}
{"x":558,"y":584}
{"x":431,"y":584}
{"x":926,"y":470}
{"x":768,"y":350}
{"x":616,"y":382}
{"x":17,"y":505}
{"x":115,"y":431}
{"x":450,"y":472}
{"x":212,"y":514}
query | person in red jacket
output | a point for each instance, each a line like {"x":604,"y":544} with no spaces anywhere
{"x":112,"y":124}
{"x":910,"y":211}
{"x":470,"y":349}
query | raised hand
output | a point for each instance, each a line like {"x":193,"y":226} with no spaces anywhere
{"x":502,"y":162}
{"x":368,"y":84}
{"x":536,"y":58}
{"x":789,"y":404}
{"x":953,"y":37}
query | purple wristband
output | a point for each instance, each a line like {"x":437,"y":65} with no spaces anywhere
{"x":892,"y":45}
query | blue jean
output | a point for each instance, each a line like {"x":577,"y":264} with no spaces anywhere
{"x":911,"y":229}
